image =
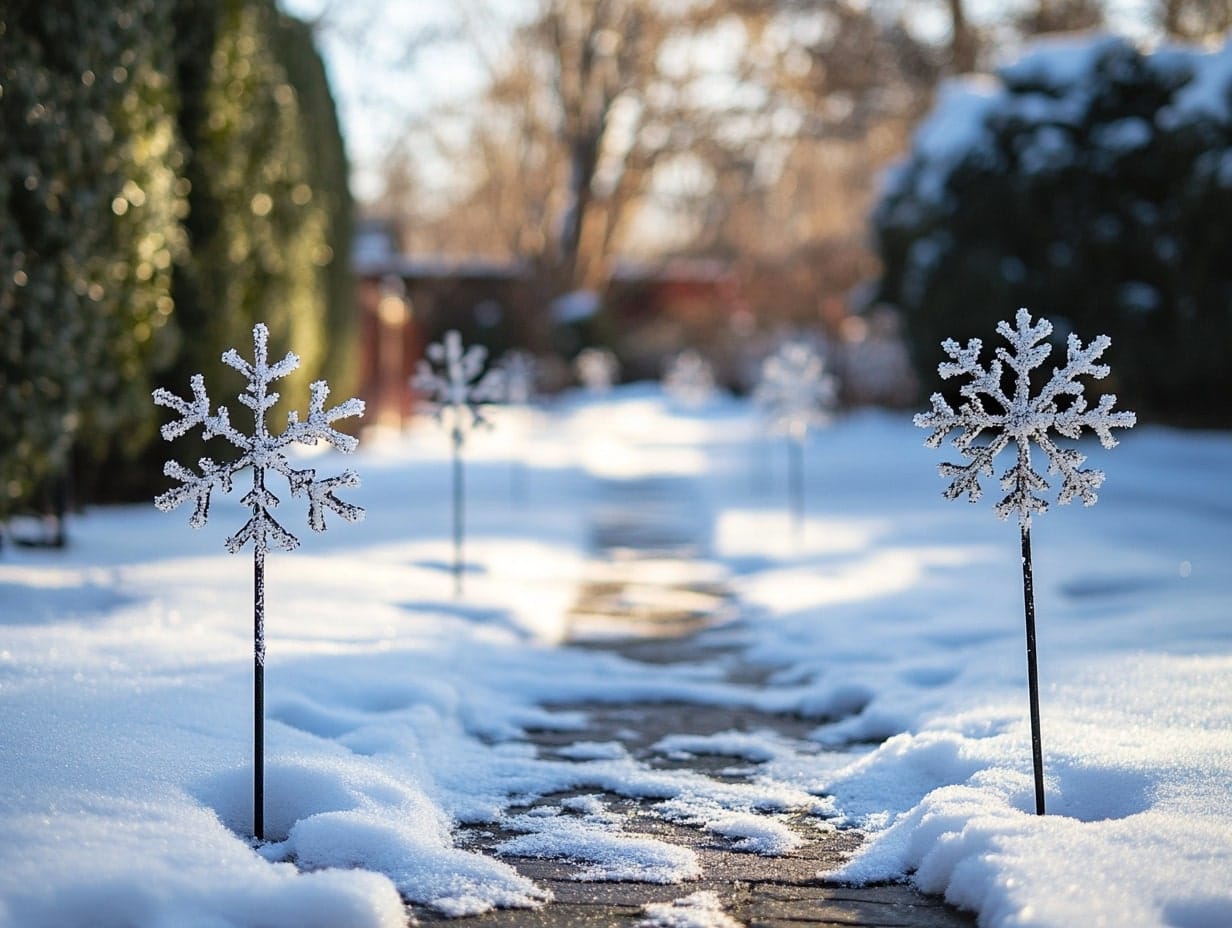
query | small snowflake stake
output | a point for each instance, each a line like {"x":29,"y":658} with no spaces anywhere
{"x":460,"y":392}
{"x":1022,"y":419}
{"x":519,"y":375}
{"x":597,"y":369}
{"x":689,"y":379}
{"x":795,"y":393}
{"x":262,"y":452}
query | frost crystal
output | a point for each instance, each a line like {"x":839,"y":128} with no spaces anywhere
{"x":795,"y":391}
{"x":1023,"y":419}
{"x":262,"y":451}
{"x":461,"y":387}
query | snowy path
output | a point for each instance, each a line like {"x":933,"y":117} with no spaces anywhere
{"x":654,"y":599}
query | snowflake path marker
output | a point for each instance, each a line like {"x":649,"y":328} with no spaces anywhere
{"x":597,"y":369}
{"x":689,"y":379}
{"x":461,"y":390}
{"x":795,"y":393}
{"x":519,"y":373}
{"x":519,"y":376}
{"x":1024,"y":420}
{"x":263,"y":452}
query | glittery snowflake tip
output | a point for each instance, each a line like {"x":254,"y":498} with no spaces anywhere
{"x":1023,"y":419}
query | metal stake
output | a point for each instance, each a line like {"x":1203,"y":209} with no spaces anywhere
{"x":1028,"y":594}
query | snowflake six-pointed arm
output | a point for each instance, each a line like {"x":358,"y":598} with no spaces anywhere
{"x":194,"y":486}
{"x":318,"y":426}
{"x":263,"y":531}
{"x":320,"y":493}
{"x":193,"y":412}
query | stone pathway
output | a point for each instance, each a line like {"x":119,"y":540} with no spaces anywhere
{"x":646,"y":604}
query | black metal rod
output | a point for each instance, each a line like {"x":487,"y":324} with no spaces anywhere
{"x":1028,"y":595}
{"x":258,"y":694}
{"x":458,"y":494}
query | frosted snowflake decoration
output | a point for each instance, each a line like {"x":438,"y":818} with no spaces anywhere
{"x":262,"y":451}
{"x":689,"y":379}
{"x":461,"y":387}
{"x":794,"y":391}
{"x":1023,"y":419}
{"x":597,"y":369}
{"x":519,"y":373}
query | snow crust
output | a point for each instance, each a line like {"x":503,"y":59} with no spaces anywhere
{"x":393,"y":711}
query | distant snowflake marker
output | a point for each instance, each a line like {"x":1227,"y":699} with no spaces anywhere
{"x":263,"y":452}
{"x":689,"y":379}
{"x":1024,"y":420}
{"x":519,"y":373}
{"x":795,"y":393}
{"x":461,"y":389}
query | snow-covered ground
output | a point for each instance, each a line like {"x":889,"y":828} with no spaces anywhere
{"x":894,"y":619}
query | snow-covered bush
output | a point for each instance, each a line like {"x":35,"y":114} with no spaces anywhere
{"x":1090,"y":179}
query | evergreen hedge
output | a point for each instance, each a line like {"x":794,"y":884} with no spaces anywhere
{"x":170,"y":173}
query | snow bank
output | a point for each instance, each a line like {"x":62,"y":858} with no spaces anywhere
{"x":394,"y":709}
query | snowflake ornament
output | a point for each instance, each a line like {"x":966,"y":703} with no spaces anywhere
{"x":597,"y":369}
{"x":689,"y":379}
{"x":1023,"y":419}
{"x":795,"y":391}
{"x":262,"y":451}
{"x":461,"y":387}
{"x":519,"y":372}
